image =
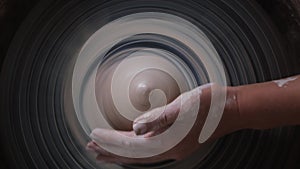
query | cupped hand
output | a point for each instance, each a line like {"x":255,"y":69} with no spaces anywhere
{"x":159,"y":120}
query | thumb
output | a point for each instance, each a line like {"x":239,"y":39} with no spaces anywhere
{"x":154,"y":120}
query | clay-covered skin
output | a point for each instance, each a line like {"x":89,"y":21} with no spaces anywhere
{"x":150,"y":88}
{"x":147,"y":126}
{"x":255,"y":106}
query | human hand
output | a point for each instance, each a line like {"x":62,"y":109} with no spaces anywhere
{"x":159,"y":120}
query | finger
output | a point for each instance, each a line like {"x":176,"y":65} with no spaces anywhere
{"x":122,"y":139}
{"x":155,"y":120}
{"x":103,"y":155}
{"x":108,"y":157}
{"x":128,"y":145}
{"x":156,"y":132}
{"x":90,"y":147}
{"x":124,"y":145}
{"x":109,"y":137}
{"x":97,"y":149}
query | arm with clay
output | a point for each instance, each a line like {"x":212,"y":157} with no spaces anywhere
{"x":270,"y":104}
{"x":255,"y":106}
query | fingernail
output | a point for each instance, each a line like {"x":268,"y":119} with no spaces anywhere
{"x":139,"y":129}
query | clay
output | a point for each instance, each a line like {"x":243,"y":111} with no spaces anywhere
{"x":104,"y":99}
{"x":284,"y":82}
{"x":150,"y":88}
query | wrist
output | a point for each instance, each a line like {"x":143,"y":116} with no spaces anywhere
{"x":231,"y":119}
{"x":232,"y":109}
{"x":245,"y":121}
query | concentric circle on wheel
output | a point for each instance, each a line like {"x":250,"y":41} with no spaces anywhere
{"x":44,"y":126}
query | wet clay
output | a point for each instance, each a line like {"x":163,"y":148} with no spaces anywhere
{"x":150,"y":88}
{"x":284,"y":82}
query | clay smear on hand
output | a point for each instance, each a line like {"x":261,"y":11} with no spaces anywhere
{"x":284,"y":82}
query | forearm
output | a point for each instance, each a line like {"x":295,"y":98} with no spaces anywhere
{"x":270,"y":104}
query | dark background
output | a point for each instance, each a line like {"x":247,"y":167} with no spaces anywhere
{"x":285,"y":15}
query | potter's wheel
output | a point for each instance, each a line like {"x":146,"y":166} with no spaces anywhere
{"x":86,"y":64}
